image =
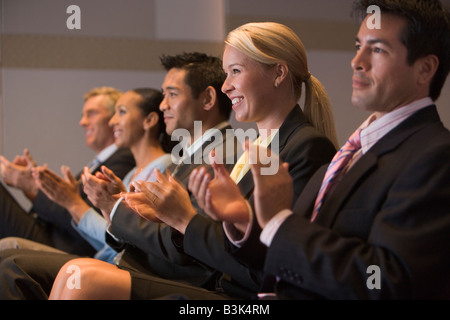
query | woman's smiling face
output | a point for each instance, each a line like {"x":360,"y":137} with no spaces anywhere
{"x":249,"y":85}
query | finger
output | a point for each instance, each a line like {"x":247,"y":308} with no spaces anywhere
{"x":137,"y":199}
{"x":203,"y":189}
{"x":109,"y":174}
{"x":65,"y":170}
{"x":152,"y":190}
{"x":191,"y":181}
{"x":4,"y":161}
{"x":195,"y":180}
{"x":161,"y":178}
{"x":29,"y":158}
{"x":208,"y":205}
{"x":137,"y":185}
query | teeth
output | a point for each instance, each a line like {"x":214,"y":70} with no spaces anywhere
{"x":236,"y":100}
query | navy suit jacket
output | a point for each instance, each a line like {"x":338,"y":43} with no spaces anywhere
{"x":305,"y":149}
{"x":391,"y":211}
{"x":156,"y":248}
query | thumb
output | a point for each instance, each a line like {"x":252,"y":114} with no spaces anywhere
{"x":68,"y":175}
{"x":29,"y":158}
{"x":218,"y":167}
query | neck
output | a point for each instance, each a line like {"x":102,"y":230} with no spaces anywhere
{"x":146,"y":152}
{"x":205,"y":126}
{"x":275,"y":119}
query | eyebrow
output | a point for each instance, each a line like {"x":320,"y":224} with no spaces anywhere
{"x":232,"y":65}
{"x":374,"y":41}
{"x":170,"y":88}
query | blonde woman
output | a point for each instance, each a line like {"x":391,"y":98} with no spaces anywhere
{"x":266,"y":68}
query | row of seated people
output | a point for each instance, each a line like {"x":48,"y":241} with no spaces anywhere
{"x":283,"y":216}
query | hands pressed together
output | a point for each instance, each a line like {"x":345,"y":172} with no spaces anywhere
{"x":18,"y":173}
{"x":102,"y":189}
{"x":164,"y":200}
{"x":167,"y":201}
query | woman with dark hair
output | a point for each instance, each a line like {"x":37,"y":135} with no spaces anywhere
{"x":137,"y":124}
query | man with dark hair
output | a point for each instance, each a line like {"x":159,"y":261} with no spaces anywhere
{"x":381,"y":230}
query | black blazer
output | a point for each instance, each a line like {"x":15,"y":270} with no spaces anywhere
{"x":391,"y":210}
{"x":58,"y":219}
{"x":155,"y":247}
{"x":305,"y":149}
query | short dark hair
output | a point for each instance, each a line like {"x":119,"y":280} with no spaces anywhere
{"x":427,"y":31}
{"x":202,"y":70}
{"x":151,"y":99}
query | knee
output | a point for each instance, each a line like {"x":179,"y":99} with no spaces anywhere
{"x":10,"y":243}
{"x":68,"y":282}
{"x":84,"y":267}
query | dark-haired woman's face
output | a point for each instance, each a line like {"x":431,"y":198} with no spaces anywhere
{"x":128,"y":120}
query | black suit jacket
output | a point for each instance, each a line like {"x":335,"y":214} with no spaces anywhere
{"x":305,"y":150}
{"x":57,"y":218}
{"x":156,"y":248}
{"x":391,"y":210}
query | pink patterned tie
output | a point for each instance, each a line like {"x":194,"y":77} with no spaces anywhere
{"x":338,"y":163}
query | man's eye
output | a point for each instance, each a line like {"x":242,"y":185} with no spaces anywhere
{"x":378,"y":50}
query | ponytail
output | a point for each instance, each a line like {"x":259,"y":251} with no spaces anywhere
{"x":318,"y":109}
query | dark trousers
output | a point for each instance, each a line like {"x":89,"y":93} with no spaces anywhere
{"x":28,"y":274}
{"x":17,"y":222}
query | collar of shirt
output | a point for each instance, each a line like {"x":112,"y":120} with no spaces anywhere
{"x":106,"y":153}
{"x":374,"y":129}
{"x":190,"y":150}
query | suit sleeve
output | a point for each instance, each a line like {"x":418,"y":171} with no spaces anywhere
{"x":304,"y":159}
{"x":408,"y":240}
{"x":149,"y":237}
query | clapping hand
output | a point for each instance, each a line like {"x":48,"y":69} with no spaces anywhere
{"x":102,"y":189}
{"x":219,"y":197}
{"x":164,"y":200}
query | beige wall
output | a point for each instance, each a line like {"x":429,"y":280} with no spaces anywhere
{"x":46,"y":68}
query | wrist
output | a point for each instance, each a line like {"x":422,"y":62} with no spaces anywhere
{"x":186,"y":220}
{"x":31,"y":192}
{"x":77,"y":209}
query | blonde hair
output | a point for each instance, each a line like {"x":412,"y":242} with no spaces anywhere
{"x":270,"y":43}
{"x":111,"y":94}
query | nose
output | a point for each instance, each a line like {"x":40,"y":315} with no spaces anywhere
{"x":113,"y":121}
{"x":360,"y":61}
{"x":163,"y":105}
{"x":83,"y":121}
{"x":227,"y":85}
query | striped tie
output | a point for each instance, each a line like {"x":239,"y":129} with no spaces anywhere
{"x":93,"y":164}
{"x":336,"y":166}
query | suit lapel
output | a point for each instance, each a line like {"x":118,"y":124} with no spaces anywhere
{"x":295,"y":119}
{"x":183,"y":170}
{"x":368,"y":162}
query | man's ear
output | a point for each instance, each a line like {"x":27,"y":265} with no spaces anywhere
{"x":426,"y":68}
{"x":151,"y":120}
{"x":209,"y":98}
{"x":281,"y":72}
